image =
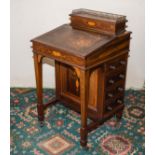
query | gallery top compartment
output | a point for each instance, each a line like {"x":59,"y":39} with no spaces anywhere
{"x":96,"y":21}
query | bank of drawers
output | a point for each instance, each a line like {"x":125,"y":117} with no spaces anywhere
{"x":115,"y":81}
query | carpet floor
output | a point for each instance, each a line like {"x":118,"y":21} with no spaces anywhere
{"x":60,"y":134}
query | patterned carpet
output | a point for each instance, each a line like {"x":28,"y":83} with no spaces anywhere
{"x":60,"y":135}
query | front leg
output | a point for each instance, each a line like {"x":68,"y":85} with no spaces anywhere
{"x":84,"y":90}
{"x":38,"y":75}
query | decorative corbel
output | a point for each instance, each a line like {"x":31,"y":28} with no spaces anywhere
{"x":38,"y":57}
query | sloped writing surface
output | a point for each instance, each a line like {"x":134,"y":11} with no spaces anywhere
{"x":73,"y":41}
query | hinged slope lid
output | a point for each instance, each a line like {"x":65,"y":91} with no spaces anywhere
{"x":96,"y":21}
{"x":76,"y":42}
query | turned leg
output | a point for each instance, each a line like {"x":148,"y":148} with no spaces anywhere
{"x":84,"y":89}
{"x":38,"y":74}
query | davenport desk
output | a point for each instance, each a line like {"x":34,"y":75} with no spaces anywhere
{"x":90,"y":57}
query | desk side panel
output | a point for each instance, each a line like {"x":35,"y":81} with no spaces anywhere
{"x":115,"y":48}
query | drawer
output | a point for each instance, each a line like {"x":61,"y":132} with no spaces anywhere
{"x":115,"y":91}
{"x":110,"y":104}
{"x":62,"y":56}
{"x":92,"y":25}
{"x":113,"y":79}
{"x":111,"y":95}
{"x":116,"y":64}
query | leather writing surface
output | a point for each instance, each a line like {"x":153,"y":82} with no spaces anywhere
{"x":72,"y":40}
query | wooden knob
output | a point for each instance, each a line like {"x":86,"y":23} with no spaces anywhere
{"x":122,"y":76}
{"x":109,"y":108}
{"x":110,"y":95}
{"x":120,"y":89}
{"x":119,"y":101}
{"x":111,"y":81}
{"x":112,"y":67}
{"x":122,"y":62}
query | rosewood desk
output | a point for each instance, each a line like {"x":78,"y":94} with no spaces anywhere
{"x":90,"y":57}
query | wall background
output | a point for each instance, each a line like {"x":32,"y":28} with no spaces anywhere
{"x":30,"y":18}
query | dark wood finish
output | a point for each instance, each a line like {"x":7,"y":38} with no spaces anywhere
{"x":84,"y":94}
{"x":57,"y":79}
{"x":51,"y":102}
{"x":38,"y":74}
{"x":72,"y":42}
{"x":96,"y":21}
{"x":90,"y":71}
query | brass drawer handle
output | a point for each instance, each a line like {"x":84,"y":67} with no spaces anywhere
{"x":90,"y":23}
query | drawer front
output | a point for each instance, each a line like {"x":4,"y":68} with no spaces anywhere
{"x":58,"y":55}
{"x":82,"y":22}
{"x":105,"y":27}
{"x":115,"y":102}
{"x":114,"y":93}
{"x":116,"y":64}
{"x":116,"y":77}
